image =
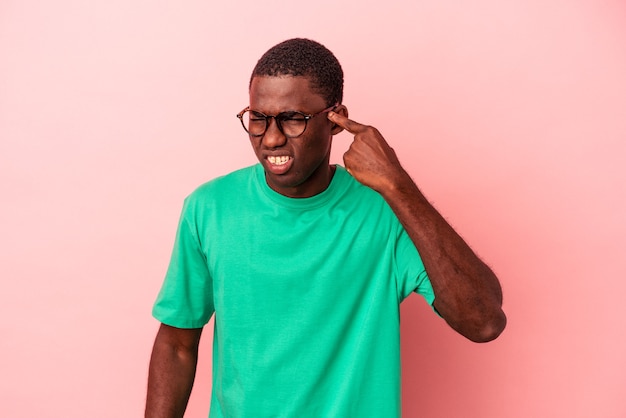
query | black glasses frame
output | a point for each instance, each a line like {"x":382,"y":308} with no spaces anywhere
{"x":279,"y":118}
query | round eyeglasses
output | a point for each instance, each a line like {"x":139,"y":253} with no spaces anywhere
{"x":291,"y":123}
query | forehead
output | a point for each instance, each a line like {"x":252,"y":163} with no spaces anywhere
{"x":271,"y":95}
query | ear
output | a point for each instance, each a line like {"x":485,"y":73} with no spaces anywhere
{"x":343,"y":111}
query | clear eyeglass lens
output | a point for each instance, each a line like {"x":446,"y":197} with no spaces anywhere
{"x":254,"y":122}
{"x":292,"y":124}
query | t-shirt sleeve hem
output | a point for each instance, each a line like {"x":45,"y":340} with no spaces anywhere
{"x":179,"y":322}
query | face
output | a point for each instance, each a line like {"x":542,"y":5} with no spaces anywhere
{"x":294,"y":167}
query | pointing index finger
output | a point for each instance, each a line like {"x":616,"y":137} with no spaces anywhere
{"x":347,"y":124}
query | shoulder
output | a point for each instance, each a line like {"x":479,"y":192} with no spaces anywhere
{"x":356,"y":190}
{"x":219,"y":193}
{"x":362,"y":198}
{"x":228,"y":184}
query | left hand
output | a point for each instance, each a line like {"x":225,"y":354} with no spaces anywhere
{"x":369,"y":159}
{"x":467,"y":292}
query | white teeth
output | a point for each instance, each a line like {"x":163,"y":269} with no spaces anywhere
{"x":278,"y":160}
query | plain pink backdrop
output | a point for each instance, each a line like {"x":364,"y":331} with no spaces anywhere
{"x":511,"y":116}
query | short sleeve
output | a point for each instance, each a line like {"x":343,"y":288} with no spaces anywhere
{"x":186,"y":296}
{"x":411,"y":272}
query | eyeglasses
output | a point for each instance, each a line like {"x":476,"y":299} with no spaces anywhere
{"x":292,"y":123}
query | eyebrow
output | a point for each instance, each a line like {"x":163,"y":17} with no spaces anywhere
{"x":285,"y":112}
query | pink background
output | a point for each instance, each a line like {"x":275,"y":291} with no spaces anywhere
{"x":511,"y":116}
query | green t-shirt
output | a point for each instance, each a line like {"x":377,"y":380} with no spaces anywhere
{"x":305,"y":292}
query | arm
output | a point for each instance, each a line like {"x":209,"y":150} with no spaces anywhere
{"x":172,"y":371}
{"x":467,"y":293}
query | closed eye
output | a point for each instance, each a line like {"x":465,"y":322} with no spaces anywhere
{"x":291,"y":116}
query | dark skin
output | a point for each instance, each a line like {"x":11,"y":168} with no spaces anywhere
{"x":467,"y":293}
{"x":308,"y":171}
{"x":172,"y":371}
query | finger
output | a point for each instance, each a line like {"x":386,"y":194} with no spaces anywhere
{"x":346,"y":164}
{"x":347,"y":124}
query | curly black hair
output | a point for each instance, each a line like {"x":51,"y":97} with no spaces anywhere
{"x":304,"y":57}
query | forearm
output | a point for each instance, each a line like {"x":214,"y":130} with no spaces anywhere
{"x":467,"y":293}
{"x":171,"y":376}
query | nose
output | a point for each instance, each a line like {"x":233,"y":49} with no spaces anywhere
{"x":273,"y":136}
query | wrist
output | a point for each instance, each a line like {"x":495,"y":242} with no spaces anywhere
{"x":397,"y":184}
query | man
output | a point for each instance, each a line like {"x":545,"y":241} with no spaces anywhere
{"x":304,"y":263}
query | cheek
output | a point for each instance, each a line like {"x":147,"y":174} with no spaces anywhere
{"x":314,"y":150}
{"x":319,"y":142}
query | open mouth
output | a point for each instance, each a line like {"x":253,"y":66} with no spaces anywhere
{"x":279,"y":164}
{"x":278,"y":160}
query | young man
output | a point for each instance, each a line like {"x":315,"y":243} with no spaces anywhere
{"x":304,"y":263}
